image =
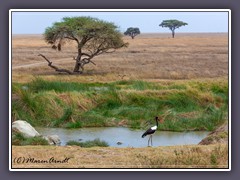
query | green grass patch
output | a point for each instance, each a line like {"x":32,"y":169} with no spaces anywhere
{"x":87,"y":144}
{"x":39,"y":84}
{"x":19,"y":140}
{"x":186,"y":105}
{"x":67,"y":114}
{"x":72,"y":125}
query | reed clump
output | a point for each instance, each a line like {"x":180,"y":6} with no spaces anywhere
{"x":185,"y":105}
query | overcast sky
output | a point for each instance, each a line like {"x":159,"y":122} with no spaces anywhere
{"x":147,"y":22}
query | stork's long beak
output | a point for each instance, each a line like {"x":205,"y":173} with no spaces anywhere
{"x":161,"y":120}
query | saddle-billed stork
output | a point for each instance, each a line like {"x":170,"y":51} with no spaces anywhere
{"x":152,"y":130}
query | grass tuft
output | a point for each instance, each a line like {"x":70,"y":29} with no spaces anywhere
{"x":72,"y":125}
{"x":67,"y":114}
{"x":19,"y":140}
{"x":87,"y":144}
{"x":193,"y":157}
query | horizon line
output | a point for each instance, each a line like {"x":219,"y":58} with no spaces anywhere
{"x":139,"y":34}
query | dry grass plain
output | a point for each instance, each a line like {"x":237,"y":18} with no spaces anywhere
{"x":188,"y":156}
{"x":150,"y":57}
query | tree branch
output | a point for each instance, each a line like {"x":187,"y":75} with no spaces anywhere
{"x":74,"y":38}
{"x":88,"y":60}
{"x":69,"y":38}
{"x":85,"y":54}
{"x":55,"y":67}
{"x":110,"y":51}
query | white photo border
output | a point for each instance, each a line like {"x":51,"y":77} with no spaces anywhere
{"x":118,"y":10}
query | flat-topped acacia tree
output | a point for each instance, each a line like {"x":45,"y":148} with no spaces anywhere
{"x":172,"y":25}
{"x":132,"y":32}
{"x":91,"y":35}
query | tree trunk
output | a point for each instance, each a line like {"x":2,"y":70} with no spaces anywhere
{"x":77,"y":66}
{"x":78,"y":61}
{"x":81,"y":61}
{"x":173,"y":33}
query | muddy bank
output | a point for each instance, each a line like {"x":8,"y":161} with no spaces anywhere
{"x":220,"y":135}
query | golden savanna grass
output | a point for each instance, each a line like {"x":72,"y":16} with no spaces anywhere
{"x":149,"y":57}
{"x":188,"y":156}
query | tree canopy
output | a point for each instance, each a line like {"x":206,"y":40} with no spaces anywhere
{"x":92,"y":36}
{"x":131,"y":31}
{"x":172,"y":25}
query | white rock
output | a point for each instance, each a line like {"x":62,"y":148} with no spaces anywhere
{"x":24,"y":128}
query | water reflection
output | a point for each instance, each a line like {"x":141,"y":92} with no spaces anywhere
{"x":128,"y":137}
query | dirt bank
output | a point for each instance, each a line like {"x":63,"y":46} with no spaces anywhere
{"x":220,"y":135}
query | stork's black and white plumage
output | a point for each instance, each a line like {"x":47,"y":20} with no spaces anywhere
{"x":151,"y":130}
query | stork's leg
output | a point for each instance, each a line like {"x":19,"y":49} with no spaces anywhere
{"x":151,"y":140}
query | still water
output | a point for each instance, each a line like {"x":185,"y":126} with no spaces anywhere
{"x":128,"y":137}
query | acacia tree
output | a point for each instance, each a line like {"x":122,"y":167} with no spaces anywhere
{"x":132,"y":32}
{"x":172,"y":25}
{"x":91,"y":35}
